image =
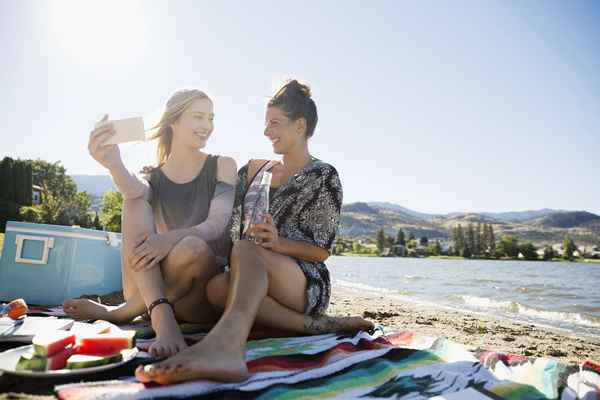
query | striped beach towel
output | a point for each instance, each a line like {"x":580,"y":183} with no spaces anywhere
{"x":398,"y":365}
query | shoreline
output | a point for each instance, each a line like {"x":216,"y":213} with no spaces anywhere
{"x":478,"y":330}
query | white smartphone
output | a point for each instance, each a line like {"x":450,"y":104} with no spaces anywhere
{"x":127,"y":130}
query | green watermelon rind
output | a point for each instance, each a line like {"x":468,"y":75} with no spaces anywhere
{"x":31,"y":363}
{"x":80,"y":361}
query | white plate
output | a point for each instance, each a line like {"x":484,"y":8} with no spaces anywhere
{"x":9,"y":359}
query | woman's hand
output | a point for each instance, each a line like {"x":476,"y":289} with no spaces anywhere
{"x":108,"y":155}
{"x":149,"y":251}
{"x":266,"y":233}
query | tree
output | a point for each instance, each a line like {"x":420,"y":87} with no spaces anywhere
{"x":568,"y":248}
{"x":548,"y":253}
{"x":423,"y":241}
{"x":7,"y":185}
{"x":459,"y":240}
{"x":28,"y":184}
{"x":509,"y":246}
{"x":97,"y":225}
{"x":471,"y":239}
{"x":61,"y":204}
{"x":112,"y":211}
{"x":435,"y":248}
{"x":529,"y":251}
{"x":478,"y":245}
{"x":400,"y":238}
{"x":380,"y":240}
{"x":389,"y":241}
{"x":491,"y":240}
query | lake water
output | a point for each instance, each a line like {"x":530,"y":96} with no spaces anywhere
{"x":561,"y":295}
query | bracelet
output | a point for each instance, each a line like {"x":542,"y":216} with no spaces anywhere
{"x":156,"y":302}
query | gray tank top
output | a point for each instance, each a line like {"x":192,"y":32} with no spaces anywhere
{"x":183,"y":205}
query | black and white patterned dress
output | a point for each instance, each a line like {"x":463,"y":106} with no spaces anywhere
{"x":306,"y":207}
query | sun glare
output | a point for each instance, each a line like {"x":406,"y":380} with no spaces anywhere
{"x":107,"y":32}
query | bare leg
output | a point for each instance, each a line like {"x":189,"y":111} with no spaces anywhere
{"x":190,"y":255}
{"x":220,"y":355}
{"x":273,"y":314}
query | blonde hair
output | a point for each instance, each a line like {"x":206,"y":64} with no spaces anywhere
{"x":176,"y":105}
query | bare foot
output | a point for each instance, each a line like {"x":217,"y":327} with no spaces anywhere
{"x":88,"y":309}
{"x":329,"y":324}
{"x":208,"y":359}
{"x":169,"y":340}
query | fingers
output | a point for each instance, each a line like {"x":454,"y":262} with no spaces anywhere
{"x":139,"y":240}
{"x":269,"y":219}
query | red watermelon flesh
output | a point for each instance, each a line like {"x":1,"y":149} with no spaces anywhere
{"x":105,"y":344}
{"x":50,"y":343}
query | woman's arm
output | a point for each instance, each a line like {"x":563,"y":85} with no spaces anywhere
{"x":130,"y":186}
{"x":110,"y":157}
{"x":301,"y":250}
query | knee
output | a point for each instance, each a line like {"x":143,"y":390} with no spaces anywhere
{"x":190,"y":249}
{"x":243,"y":249}
{"x":217,"y":290}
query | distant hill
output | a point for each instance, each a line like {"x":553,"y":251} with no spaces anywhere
{"x":571,"y":219}
{"x":396,"y":207}
{"x":550,"y":226}
{"x":517,"y":216}
{"x":95,"y":185}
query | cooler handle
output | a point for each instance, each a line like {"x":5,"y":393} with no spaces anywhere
{"x":48,"y":244}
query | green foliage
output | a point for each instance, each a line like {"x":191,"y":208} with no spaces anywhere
{"x":569,"y":248}
{"x":400,"y":238}
{"x":380,"y":240}
{"x":112,"y":210}
{"x":529,"y":251}
{"x":458,"y":238}
{"x":509,"y":246}
{"x":549,"y":253}
{"x":7,"y":183}
{"x":61,"y":203}
{"x":423,"y":241}
{"x":98,"y":226}
{"x":435,"y":248}
{"x":412,"y":244}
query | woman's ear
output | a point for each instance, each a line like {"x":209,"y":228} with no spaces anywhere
{"x":301,"y":126}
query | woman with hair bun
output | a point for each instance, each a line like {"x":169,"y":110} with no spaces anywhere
{"x":277,"y":277}
{"x":173,"y":223}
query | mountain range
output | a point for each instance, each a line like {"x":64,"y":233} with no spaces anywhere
{"x":364,"y":219}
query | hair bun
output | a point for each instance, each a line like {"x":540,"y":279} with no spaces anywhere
{"x":297,"y":88}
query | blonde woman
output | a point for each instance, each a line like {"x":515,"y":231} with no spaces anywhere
{"x":173,"y":223}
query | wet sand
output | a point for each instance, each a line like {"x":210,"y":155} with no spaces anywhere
{"x":475,"y":330}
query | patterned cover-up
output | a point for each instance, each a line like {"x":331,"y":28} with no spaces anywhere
{"x":400,"y":366}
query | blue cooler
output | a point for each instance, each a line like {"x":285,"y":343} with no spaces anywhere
{"x":47,"y":264}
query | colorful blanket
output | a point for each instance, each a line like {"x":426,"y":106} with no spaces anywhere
{"x":400,"y":365}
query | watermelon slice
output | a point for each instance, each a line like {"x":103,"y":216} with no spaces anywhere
{"x":50,"y":343}
{"x":105,"y":344}
{"x":78,"y":361}
{"x":32,"y":362}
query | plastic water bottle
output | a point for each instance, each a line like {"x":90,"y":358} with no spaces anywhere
{"x":261,"y":202}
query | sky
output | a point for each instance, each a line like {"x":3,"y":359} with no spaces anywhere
{"x":439,"y":106}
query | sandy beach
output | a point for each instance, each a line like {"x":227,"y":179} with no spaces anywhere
{"x":471,"y":329}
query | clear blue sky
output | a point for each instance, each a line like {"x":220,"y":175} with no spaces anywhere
{"x":438,"y":106}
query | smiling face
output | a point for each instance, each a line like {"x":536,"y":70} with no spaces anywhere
{"x":195,"y":125}
{"x":285,"y":135}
